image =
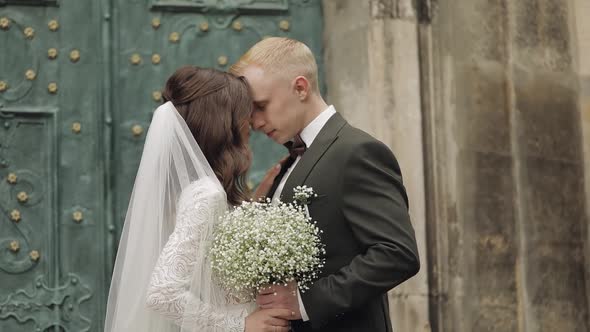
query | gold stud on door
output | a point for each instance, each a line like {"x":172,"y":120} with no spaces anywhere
{"x":29,"y":33}
{"x":157,"y":96}
{"x":174,"y":37}
{"x":156,"y":23}
{"x":22,"y":197}
{"x":135,"y":59}
{"x":76,"y":127}
{"x":137,"y":130}
{"x":4,"y":23}
{"x":15,"y":215}
{"x":74,"y":56}
{"x":53,"y":25}
{"x":34,"y":255}
{"x":30,"y":75}
{"x":77,"y":216}
{"x":222,"y":60}
{"x":52,"y":88}
{"x":156,"y":59}
{"x":11,"y":178}
{"x":284,"y":25}
{"x":14,"y":246}
{"x":237,"y":25}
{"x":52,"y":53}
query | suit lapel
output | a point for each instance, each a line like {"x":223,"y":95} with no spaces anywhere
{"x":278,"y":178}
{"x":314,"y":153}
{"x":275,"y":184}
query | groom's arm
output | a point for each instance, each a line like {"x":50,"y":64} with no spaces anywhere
{"x":374,"y":204}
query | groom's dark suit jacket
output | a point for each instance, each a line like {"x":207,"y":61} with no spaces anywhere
{"x":362,"y":209}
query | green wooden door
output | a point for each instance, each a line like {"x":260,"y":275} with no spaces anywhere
{"x":79,"y":80}
{"x":52,"y":227}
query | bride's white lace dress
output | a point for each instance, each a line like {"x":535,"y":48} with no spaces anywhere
{"x":169,"y":291}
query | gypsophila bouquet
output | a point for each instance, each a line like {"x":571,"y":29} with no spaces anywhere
{"x":261,"y":243}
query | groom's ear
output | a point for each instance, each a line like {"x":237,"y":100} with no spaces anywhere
{"x":302,"y":86}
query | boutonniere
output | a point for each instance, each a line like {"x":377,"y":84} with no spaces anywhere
{"x":303,"y":195}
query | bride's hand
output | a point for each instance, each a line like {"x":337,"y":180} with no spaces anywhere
{"x":266,"y":320}
{"x":267,"y":180}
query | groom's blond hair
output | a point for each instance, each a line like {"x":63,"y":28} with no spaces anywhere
{"x":282,"y":56}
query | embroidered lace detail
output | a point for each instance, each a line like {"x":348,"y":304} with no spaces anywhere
{"x":168,"y":293}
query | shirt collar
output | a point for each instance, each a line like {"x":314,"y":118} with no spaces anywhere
{"x":309,"y":133}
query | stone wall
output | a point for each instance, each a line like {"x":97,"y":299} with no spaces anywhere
{"x":581,"y":33}
{"x":508,"y":158}
{"x":486,"y":104}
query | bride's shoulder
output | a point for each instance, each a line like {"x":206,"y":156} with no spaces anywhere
{"x":204,"y":188}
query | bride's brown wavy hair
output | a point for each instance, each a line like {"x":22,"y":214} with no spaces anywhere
{"x":216,"y":106}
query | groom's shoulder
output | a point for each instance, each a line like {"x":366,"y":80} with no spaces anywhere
{"x":356,"y":134}
{"x":353,"y":138}
{"x":358,"y":146}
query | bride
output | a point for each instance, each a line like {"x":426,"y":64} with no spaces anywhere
{"x":193,"y":168}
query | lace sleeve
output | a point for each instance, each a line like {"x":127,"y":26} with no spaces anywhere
{"x":168,"y":293}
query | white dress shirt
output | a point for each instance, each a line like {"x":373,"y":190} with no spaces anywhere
{"x":308,"y":135}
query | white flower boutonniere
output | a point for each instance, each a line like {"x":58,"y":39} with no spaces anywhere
{"x":303,"y":195}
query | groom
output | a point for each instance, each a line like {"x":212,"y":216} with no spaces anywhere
{"x":361,"y":207}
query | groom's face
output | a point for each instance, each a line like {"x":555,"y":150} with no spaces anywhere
{"x":277,"y":109}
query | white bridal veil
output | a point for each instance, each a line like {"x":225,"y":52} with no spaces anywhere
{"x":171,"y":161}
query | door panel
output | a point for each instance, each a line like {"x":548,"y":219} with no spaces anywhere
{"x":51,"y":116}
{"x":27,"y":199}
{"x":79,"y":80}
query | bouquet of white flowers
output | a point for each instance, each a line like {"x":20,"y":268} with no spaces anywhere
{"x":261,"y":243}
